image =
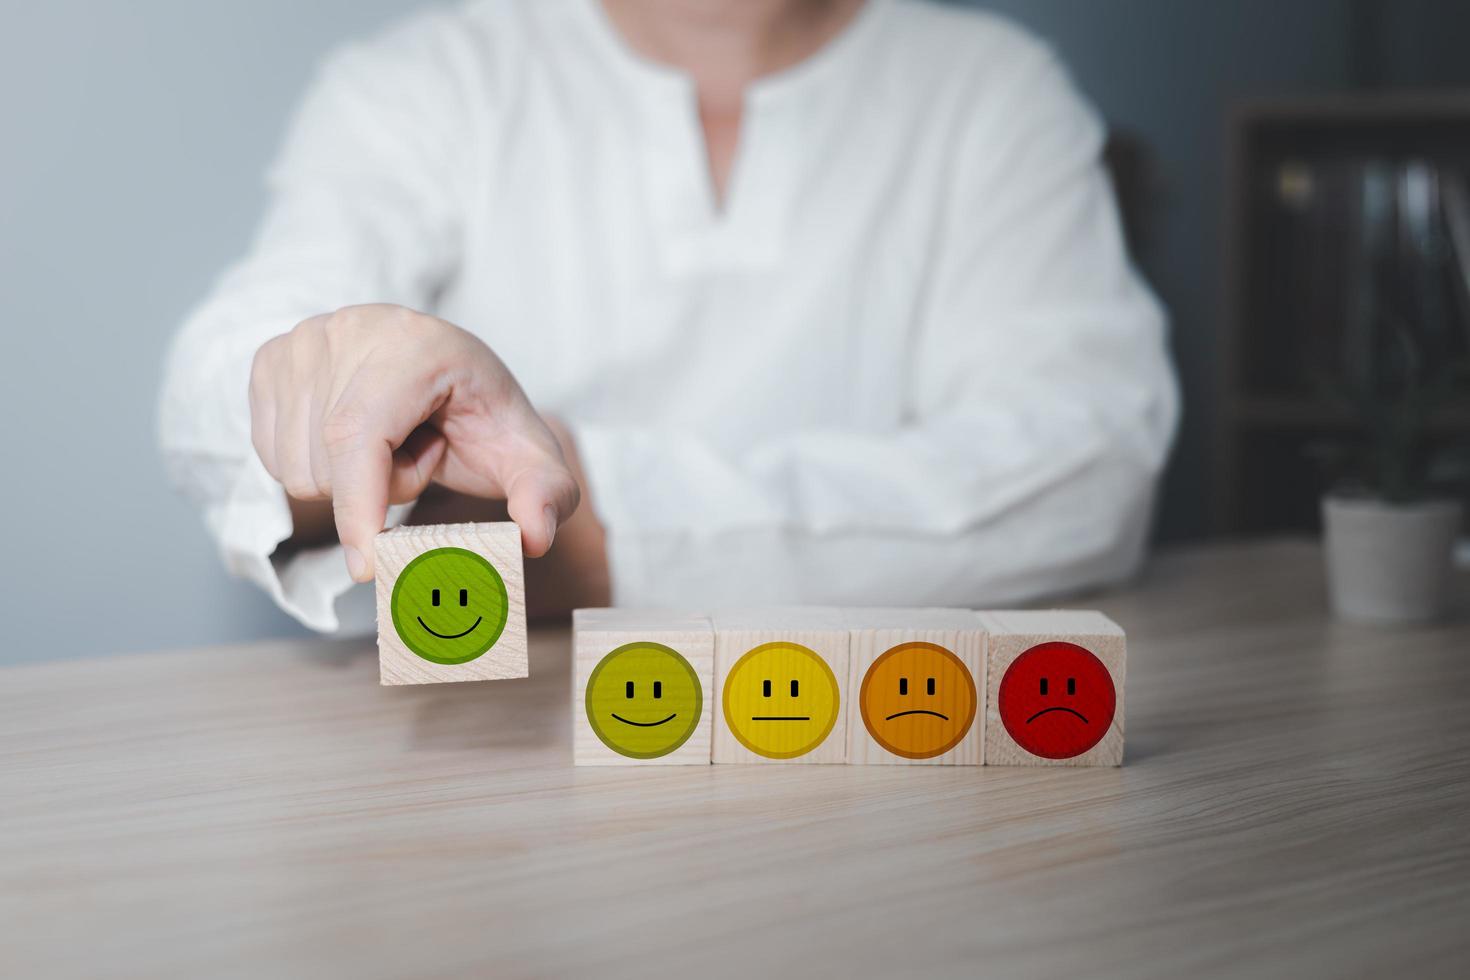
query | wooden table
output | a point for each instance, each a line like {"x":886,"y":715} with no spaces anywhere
{"x":1296,"y":802}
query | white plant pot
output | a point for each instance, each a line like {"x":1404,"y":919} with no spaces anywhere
{"x":1389,"y":563}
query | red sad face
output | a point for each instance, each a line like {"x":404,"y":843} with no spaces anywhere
{"x":1057,"y":700}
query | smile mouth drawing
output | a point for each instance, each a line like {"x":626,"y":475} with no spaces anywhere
{"x":643,"y":724}
{"x":1069,"y":711}
{"x":450,"y":636}
{"x":916,"y":711}
{"x":782,"y":718}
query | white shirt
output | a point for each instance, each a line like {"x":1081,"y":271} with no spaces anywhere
{"x":907,"y":363}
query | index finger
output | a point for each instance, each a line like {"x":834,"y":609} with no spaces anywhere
{"x":361,"y":465}
{"x":374,"y":415}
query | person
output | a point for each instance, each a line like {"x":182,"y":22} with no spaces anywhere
{"x":808,"y":300}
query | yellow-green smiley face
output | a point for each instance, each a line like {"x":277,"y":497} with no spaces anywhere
{"x":644,"y":700}
{"x":449,"y":605}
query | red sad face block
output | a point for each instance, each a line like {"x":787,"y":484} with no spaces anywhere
{"x":1057,"y":700}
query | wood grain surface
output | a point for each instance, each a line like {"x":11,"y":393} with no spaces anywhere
{"x":1296,"y":802}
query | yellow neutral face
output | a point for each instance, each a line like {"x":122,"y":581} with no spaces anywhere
{"x":781,"y":700}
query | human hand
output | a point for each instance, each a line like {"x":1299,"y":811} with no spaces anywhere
{"x":572,"y":574}
{"x":367,"y":405}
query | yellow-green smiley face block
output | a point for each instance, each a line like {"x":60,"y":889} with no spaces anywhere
{"x":644,"y":700}
{"x":449,"y":605}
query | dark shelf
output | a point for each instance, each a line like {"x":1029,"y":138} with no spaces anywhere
{"x":1325,"y":246}
{"x":1304,"y":413}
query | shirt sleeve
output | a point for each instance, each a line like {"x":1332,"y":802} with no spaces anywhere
{"x":361,"y":210}
{"x":1041,"y":404}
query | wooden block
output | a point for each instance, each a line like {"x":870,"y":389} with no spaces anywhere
{"x":451,"y":604}
{"x":918,"y":680}
{"x":641,"y":683}
{"x":781,"y":674}
{"x":1054,"y":690}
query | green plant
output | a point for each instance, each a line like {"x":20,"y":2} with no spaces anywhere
{"x":1392,"y":393}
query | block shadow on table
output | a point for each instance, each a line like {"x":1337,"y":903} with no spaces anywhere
{"x":523,"y":713}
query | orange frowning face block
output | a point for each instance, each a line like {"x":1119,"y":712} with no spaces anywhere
{"x":918,"y":700}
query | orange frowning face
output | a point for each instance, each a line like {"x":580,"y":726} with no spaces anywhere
{"x":918,"y":700}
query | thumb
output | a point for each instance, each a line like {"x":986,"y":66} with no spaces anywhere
{"x":540,"y":497}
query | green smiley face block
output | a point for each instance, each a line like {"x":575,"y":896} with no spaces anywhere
{"x":449,"y":605}
{"x":644,"y":700}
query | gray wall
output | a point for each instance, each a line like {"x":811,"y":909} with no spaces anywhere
{"x":134,"y":138}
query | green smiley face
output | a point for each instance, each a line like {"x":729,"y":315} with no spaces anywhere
{"x":449,"y":605}
{"x":644,"y":700}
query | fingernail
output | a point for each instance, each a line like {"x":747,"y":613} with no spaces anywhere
{"x":550,"y":513}
{"x":356,"y":564}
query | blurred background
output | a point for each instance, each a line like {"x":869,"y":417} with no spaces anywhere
{"x":1290,"y":171}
